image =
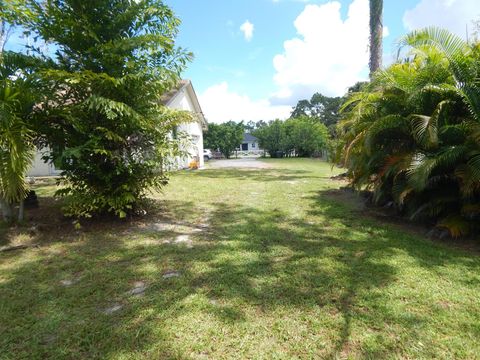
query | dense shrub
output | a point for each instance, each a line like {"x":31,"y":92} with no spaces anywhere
{"x":104,"y":124}
{"x":224,"y":137}
{"x":412,"y":135}
{"x":302,"y":136}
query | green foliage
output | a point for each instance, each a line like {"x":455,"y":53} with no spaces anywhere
{"x":251,"y":125}
{"x":296,"y":268}
{"x":303,"y":136}
{"x":412,"y":134}
{"x":18,"y":96}
{"x":323,"y":108}
{"x":306,"y":136}
{"x":224,"y":137}
{"x":273,"y":138}
{"x":104,"y":124}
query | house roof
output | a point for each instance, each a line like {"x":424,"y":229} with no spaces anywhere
{"x":168,"y":97}
{"x":185,"y":85}
{"x":247,"y":137}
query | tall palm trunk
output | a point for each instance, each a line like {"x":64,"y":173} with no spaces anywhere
{"x":376,"y":35}
{"x":6,"y":208}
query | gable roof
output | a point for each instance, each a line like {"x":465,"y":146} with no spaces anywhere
{"x":247,"y":137}
{"x":185,"y":85}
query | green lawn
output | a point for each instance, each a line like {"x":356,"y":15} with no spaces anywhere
{"x":258,"y":264}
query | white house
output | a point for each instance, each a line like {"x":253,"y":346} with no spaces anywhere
{"x":250,"y":143}
{"x":183,"y":97}
{"x":40,"y":167}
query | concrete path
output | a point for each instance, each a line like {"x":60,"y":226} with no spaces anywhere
{"x":251,"y":163}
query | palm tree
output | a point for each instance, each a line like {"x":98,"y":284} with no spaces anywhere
{"x":16,"y":138}
{"x":376,"y":35}
{"x":413,"y":135}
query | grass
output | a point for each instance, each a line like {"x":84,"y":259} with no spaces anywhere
{"x":272,"y":263}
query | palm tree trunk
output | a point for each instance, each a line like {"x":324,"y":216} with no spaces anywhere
{"x":7,"y":211}
{"x":21,"y":211}
{"x":376,"y":35}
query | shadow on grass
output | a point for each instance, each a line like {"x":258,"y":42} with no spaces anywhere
{"x":381,"y":241}
{"x":260,"y":175}
{"x":245,"y":261}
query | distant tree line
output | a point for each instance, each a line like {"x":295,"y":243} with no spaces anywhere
{"x":224,"y":137}
{"x":301,"y":136}
{"x":306,"y":133}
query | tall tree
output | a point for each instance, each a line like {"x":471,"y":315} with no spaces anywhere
{"x":5,"y":31}
{"x":18,"y":96}
{"x":5,"y":27}
{"x":325,"y":109}
{"x":273,"y":138}
{"x":376,"y":35}
{"x":224,"y":137}
{"x":105,"y":125}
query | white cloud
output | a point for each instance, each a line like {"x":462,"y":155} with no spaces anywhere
{"x":454,"y":15}
{"x":247,"y":28}
{"x":386,"y":31}
{"x":329,"y":55}
{"x":304,"y":1}
{"x":219,"y":104}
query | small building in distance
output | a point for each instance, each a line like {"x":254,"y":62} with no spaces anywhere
{"x":250,"y":144}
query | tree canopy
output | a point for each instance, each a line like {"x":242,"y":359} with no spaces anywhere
{"x":302,"y":136}
{"x":323,"y":108}
{"x":412,"y":134}
{"x":224,"y":137}
{"x":101,"y":116}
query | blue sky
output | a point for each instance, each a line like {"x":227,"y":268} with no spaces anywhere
{"x":297,"y":47}
{"x":254,"y":59}
{"x":221,"y":52}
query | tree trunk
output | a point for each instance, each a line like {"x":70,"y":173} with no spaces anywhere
{"x":376,"y":35}
{"x":7,"y":211}
{"x":21,"y":211}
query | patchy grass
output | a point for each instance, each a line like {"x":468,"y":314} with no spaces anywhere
{"x":265,"y":263}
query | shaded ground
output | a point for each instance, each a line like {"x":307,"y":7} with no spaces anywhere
{"x":249,"y":263}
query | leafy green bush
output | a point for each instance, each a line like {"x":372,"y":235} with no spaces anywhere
{"x":224,"y":137}
{"x":104,"y":123}
{"x":413,"y":134}
{"x":303,"y":136}
{"x":18,"y":97}
{"x":273,"y":138}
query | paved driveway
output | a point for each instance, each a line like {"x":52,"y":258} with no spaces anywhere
{"x":238,"y":163}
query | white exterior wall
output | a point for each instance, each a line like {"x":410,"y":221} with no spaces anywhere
{"x":40,"y":167}
{"x":251,"y":146}
{"x":183,"y":102}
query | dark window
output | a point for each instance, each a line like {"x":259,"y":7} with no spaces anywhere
{"x":253,"y":145}
{"x":244,"y":147}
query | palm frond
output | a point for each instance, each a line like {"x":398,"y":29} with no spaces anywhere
{"x":423,"y":165}
{"x":456,"y":225}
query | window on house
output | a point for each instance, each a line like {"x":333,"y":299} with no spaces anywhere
{"x":253,"y":145}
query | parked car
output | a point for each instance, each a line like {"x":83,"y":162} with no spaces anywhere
{"x":207,"y":154}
